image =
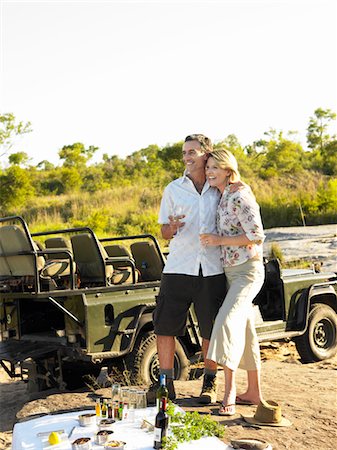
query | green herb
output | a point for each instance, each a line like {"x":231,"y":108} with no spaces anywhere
{"x":189,"y":427}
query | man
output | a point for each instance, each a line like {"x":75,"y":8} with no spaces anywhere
{"x":192,"y":274}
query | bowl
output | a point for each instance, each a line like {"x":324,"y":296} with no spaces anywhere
{"x":87,"y":420}
{"x":103,"y":436}
{"x":83,"y":443}
{"x":106,"y":424}
{"x":117,"y":445}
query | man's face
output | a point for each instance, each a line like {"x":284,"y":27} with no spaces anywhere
{"x":193,"y":158}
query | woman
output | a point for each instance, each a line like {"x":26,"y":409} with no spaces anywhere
{"x":234,"y":341}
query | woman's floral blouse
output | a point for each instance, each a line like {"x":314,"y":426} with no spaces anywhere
{"x":238,"y":213}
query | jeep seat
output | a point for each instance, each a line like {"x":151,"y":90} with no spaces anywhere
{"x":118,"y":250}
{"x":91,"y":260}
{"x":123,"y":269}
{"x":60,"y":243}
{"x":21,"y":259}
{"x":14,"y":241}
{"x":148,"y":260}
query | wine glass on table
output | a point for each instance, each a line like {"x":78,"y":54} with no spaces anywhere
{"x":115,"y":392}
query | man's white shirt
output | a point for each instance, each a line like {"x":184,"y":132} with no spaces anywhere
{"x":186,"y":253}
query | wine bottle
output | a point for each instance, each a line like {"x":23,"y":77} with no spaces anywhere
{"x":161,"y":424}
{"x":162,"y":391}
{"x":110,"y":411}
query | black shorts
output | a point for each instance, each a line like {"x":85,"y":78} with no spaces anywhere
{"x":178,"y":292}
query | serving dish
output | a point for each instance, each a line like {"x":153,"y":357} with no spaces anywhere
{"x":87,"y":420}
{"x":82,"y":443}
{"x":106,"y":424}
{"x":103,"y":436}
{"x":116,"y":445}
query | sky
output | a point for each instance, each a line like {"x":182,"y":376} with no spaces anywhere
{"x":122,"y":75}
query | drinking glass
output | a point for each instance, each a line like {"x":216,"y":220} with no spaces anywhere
{"x":133,"y":396}
{"x":116,"y":392}
{"x":204,"y":230}
{"x":131,"y":411}
{"x":176,"y":212}
{"x":125,"y":394}
{"x":141,"y":402}
{"x":132,"y":404}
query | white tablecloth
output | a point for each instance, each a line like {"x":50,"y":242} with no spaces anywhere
{"x":25,"y":433}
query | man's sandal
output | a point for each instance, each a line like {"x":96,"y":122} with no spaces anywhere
{"x":227,"y":410}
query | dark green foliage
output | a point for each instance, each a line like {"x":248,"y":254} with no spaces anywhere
{"x":18,"y":158}
{"x":190,"y":426}
{"x":317,"y":135}
{"x":76,"y":155}
{"x":15,"y":189}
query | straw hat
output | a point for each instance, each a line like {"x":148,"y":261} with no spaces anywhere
{"x":268,"y":413}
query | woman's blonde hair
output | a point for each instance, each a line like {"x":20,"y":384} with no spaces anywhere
{"x":226,"y":160}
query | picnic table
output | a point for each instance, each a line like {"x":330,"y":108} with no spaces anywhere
{"x":33,"y":434}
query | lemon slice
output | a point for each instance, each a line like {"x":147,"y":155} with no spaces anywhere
{"x":54,"y":438}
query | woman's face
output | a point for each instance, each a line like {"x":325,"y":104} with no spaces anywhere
{"x":216,"y":176}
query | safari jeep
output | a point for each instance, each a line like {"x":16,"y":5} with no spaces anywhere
{"x":71,"y":303}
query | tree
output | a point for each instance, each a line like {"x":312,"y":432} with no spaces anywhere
{"x":76,"y":155}
{"x":71,"y":179}
{"x":15,"y":188}
{"x":232,"y":144}
{"x":45,"y":165}
{"x":9,"y":130}
{"x":114,"y":170}
{"x":282,"y":156}
{"x":317,"y":136}
{"x":18,"y":159}
{"x":172,"y":158}
{"x":93,"y":179}
{"x":324,"y":146}
{"x":329,"y":158}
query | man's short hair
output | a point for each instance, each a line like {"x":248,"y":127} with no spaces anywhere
{"x":205,"y":142}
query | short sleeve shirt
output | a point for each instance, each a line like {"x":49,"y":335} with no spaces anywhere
{"x":238,"y":213}
{"x":186,"y":254}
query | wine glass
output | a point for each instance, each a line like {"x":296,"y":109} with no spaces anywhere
{"x":116,"y":392}
{"x":176,"y":213}
{"x":141,"y":401}
{"x":124,"y":394}
{"x":204,"y":229}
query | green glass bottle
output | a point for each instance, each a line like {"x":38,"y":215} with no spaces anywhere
{"x":161,"y":425}
{"x":162,"y":391}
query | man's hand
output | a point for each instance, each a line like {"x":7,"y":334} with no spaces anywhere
{"x":210,"y":240}
{"x":175,"y":223}
{"x":168,"y":230}
{"x":237,"y":185}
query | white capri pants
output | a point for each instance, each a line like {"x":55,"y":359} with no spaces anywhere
{"x":234,"y":341}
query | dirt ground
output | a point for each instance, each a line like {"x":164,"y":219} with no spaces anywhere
{"x":306,"y":393}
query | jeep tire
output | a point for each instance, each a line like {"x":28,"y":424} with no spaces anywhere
{"x":143,"y":362}
{"x":319,"y":342}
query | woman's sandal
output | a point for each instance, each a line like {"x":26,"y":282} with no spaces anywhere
{"x":242,"y":401}
{"x":227,"y":410}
